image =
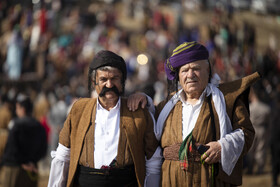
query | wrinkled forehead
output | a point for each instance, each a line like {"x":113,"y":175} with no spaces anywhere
{"x":198,"y":64}
{"x":108,"y":71}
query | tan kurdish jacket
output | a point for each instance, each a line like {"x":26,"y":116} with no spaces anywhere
{"x":136,"y":139}
{"x":236,"y":96}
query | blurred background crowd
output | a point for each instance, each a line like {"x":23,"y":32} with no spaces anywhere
{"x":46,"y":47}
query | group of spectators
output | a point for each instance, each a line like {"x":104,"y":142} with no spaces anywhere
{"x":46,"y":48}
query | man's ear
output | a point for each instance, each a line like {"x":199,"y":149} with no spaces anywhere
{"x":93,"y":82}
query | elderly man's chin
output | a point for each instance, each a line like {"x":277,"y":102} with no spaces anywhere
{"x":192,"y":87}
{"x":192,"y":90}
{"x":191,"y":84}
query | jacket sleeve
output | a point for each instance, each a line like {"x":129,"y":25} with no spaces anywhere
{"x":64,"y":135}
{"x":241,"y":119}
{"x":236,"y":142}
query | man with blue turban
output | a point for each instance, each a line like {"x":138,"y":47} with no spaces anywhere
{"x":204,"y":128}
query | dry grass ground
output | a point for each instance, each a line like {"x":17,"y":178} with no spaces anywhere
{"x":257,"y":180}
{"x":262,"y":180}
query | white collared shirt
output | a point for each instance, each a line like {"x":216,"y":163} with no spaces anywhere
{"x":190,"y":113}
{"x":106,"y":136}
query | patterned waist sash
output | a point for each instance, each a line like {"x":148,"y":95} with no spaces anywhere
{"x":172,"y":153}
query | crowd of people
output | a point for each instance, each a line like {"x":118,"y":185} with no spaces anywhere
{"x":47,"y":48}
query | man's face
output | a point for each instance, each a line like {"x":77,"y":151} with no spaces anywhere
{"x":108,"y":83}
{"x":19,"y":110}
{"x":193,"y":77}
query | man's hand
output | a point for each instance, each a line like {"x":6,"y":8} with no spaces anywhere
{"x":135,"y":99}
{"x":213,"y":154}
{"x":30,"y":167}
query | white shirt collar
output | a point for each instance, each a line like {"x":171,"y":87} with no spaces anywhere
{"x":182,"y":98}
{"x":116,"y":107}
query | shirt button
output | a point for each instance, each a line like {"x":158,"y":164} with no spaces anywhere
{"x":107,"y":133}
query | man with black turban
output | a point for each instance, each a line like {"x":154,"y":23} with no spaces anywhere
{"x":204,"y":128}
{"x":102,"y":143}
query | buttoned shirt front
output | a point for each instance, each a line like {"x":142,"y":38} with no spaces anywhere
{"x":190,"y":113}
{"x":106,"y":137}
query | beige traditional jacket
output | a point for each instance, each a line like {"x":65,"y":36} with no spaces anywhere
{"x":136,"y":139}
{"x":236,"y":97}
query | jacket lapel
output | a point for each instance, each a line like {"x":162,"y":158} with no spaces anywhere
{"x":84,"y":124}
{"x":134,"y":141}
{"x":80,"y":134}
{"x":127,"y":123}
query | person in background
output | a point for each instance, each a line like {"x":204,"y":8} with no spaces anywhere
{"x":56,"y":117}
{"x":40,"y":111}
{"x":260,"y":115}
{"x":102,"y":143}
{"x":14,"y":60}
{"x":26,"y":145}
{"x":275,"y":141}
{"x":204,"y":128}
{"x":5,"y":118}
